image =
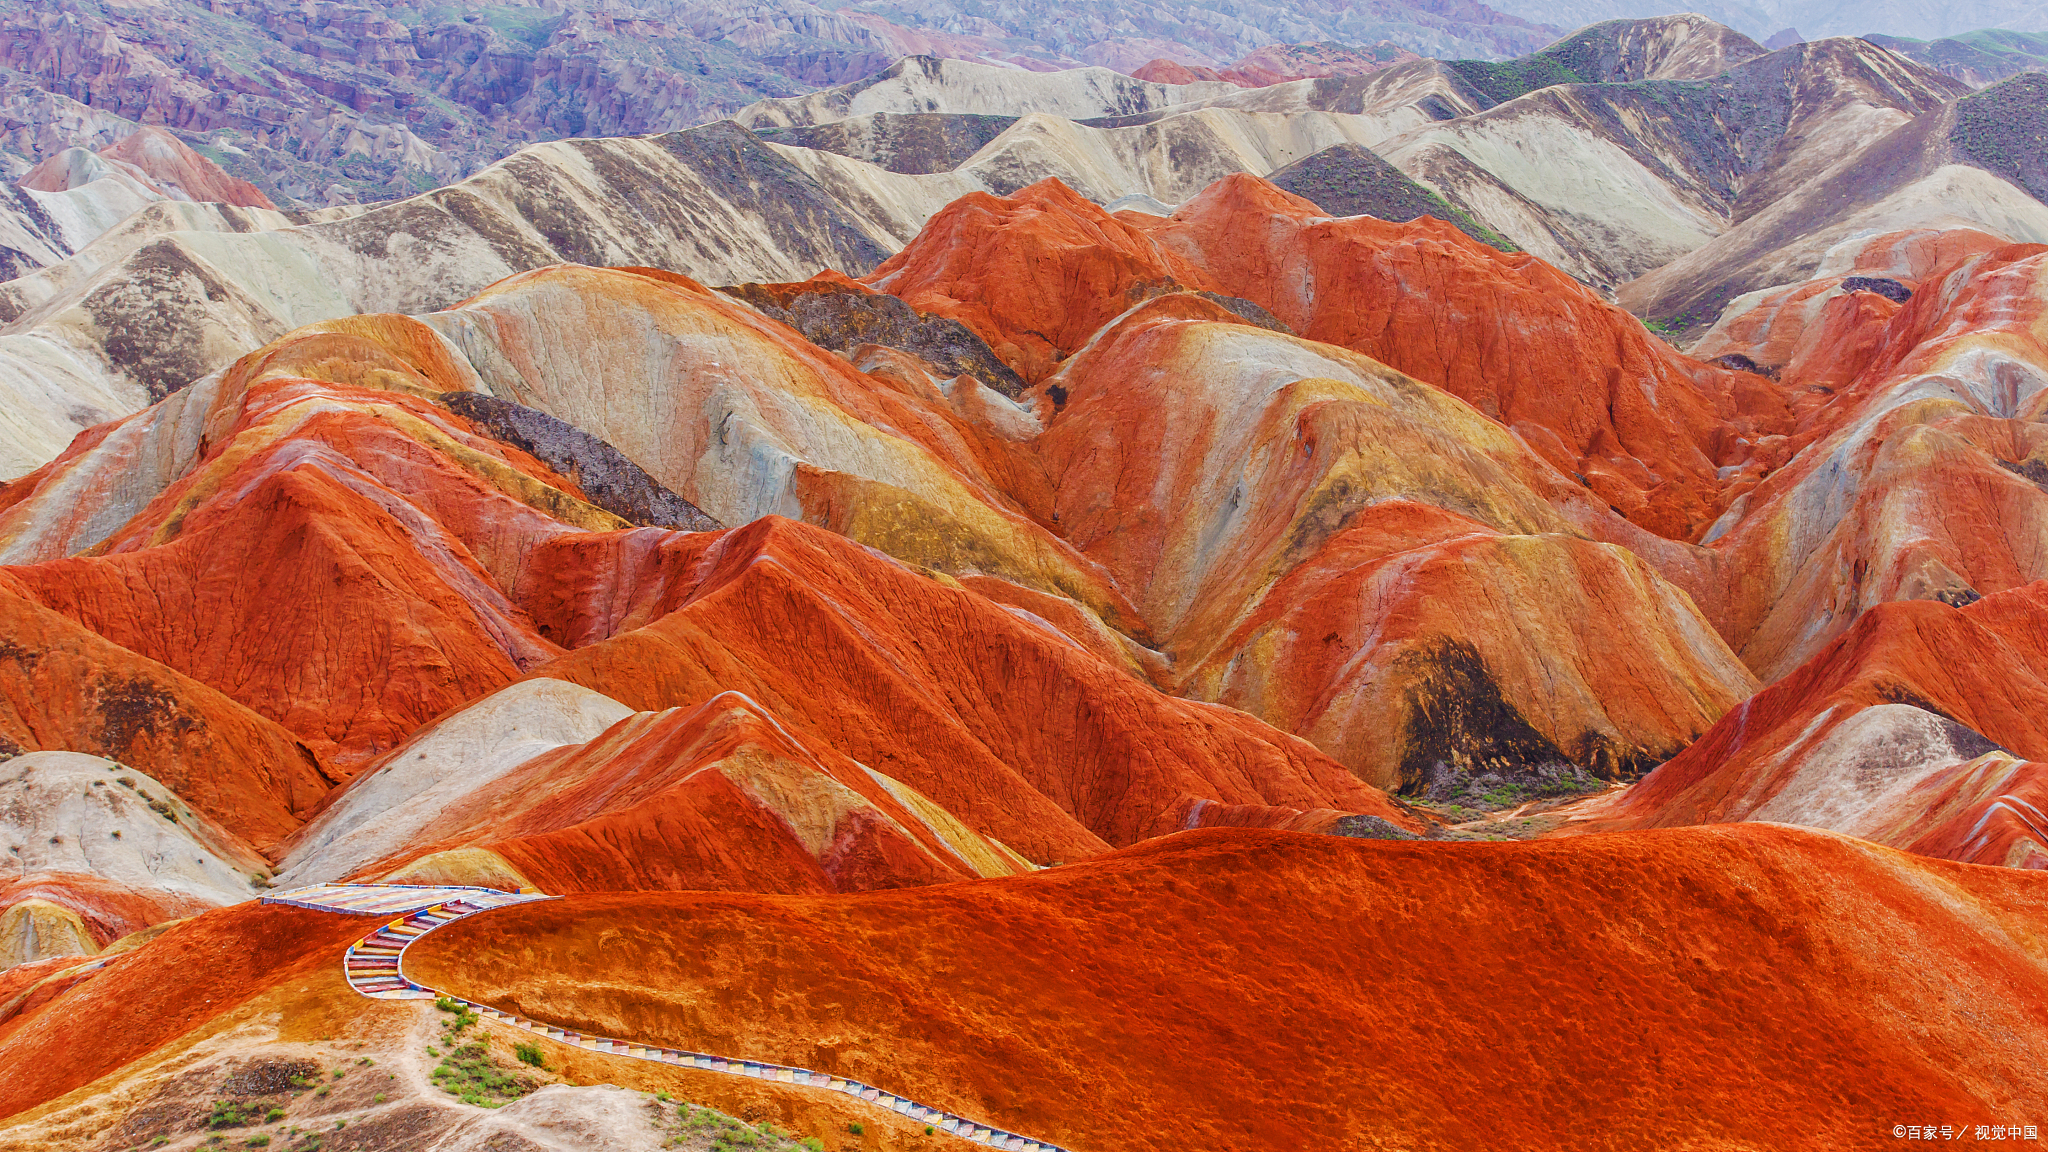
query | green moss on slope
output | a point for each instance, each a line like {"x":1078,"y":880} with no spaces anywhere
{"x":1503,"y":80}
{"x":1351,"y":180}
{"x":2004,"y":130}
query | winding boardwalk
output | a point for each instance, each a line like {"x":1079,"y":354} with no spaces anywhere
{"x":374,"y":967}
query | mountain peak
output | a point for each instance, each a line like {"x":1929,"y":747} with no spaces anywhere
{"x":158,"y":160}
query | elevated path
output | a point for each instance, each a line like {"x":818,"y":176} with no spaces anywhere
{"x":375,"y":968}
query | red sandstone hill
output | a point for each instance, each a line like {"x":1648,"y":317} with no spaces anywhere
{"x":108,"y":910}
{"x":84,"y":1028}
{"x":1885,"y":734}
{"x":1320,"y":540}
{"x":311,"y":595}
{"x":164,"y":164}
{"x":413,"y":565}
{"x":1644,"y":427}
{"x":1911,"y":472}
{"x":930,"y":677}
{"x":1272,"y":990}
{"x":1582,"y":381}
{"x":1359,"y":558}
{"x":995,"y":716}
{"x":719,"y":796}
{"x":1377,"y":534}
{"x":65,"y":687}
{"x":1244,"y":990}
{"x":1035,"y":274}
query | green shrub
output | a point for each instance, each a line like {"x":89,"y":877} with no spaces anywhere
{"x":258,"y":1141}
{"x":452,"y":1030}
{"x":530,"y":1054}
{"x":855,"y":1129}
{"x":468,"y":1074}
{"x":273,"y":1116}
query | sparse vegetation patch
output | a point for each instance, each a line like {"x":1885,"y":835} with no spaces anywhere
{"x":468,"y":1071}
{"x":694,"y":1129}
{"x":2004,"y":129}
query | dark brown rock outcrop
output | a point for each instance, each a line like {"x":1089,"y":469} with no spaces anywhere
{"x":613,"y":482}
{"x":835,"y":313}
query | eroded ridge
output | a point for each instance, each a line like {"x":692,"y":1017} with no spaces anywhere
{"x":374,"y":966}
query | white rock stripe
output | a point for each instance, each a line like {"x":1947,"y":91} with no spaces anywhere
{"x":374,"y":967}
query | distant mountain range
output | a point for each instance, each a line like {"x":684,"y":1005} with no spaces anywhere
{"x":326,"y":104}
{"x":1976,"y":58}
{"x":1681,"y":166}
{"x":338,"y":103}
{"x":1814,"y":19}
